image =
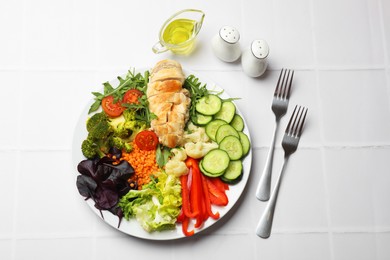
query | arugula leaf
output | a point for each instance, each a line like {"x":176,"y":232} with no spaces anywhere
{"x":130,"y":81}
{"x":197,"y":91}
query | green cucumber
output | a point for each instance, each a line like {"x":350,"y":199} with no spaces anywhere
{"x":225,"y":130}
{"x":246,"y":145}
{"x":215,"y":162}
{"x":212,"y":127}
{"x":209,"y":105}
{"x":201,"y":120}
{"x":233,"y":173}
{"x":227,"y":112}
{"x":237,"y":122}
{"x":232,"y":145}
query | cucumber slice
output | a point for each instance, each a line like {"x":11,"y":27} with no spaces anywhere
{"x":246,"y":145}
{"x":208,"y":105}
{"x":215,"y":162}
{"x":206,"y":172}
{"x":237,"y":122}
{"x":233,"y":173}
{"x":227,"y":111}
{"x":201,"y":119}
{"x":225,"y":130}
{"x":212,"y":127}
{"x":232,"y":145}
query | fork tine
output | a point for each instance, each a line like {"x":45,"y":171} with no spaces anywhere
{"x":278,"y":85}
{"x":283,"y":87}
{"x":302,"y":122}
{"x":290,"y":122}
{"x":287,"y":95}
{"x":297,"y":120}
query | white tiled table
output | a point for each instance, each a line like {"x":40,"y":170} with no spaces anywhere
{"x":335,"y":198}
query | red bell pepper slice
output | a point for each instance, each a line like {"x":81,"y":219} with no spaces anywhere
{"x":217,"y":197}
{"x":197,"y":192}
{"x":207,"y":199}
{"x":184,"y":227}
{"x":186,"y":207}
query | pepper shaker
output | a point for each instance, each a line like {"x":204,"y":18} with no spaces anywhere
{"x":226,"y":45}
{"x":254,"y":60}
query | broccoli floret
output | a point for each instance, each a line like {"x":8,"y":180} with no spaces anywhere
{"x":105,"y":132}
{"x":98,"y":126}
{"x":121,"y":144}
{"x":91,"y":149}
{"x":95,"y":119}
{"x":126,"y":126}
{"x":129,"y":115}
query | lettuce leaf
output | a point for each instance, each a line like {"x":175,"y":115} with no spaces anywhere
{"x":156,"y":206}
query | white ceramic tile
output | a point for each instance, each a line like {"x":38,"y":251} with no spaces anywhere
{"x":353,"y":40}
{"x":286,"y":50}
{"x":61,"y":249}
{"x":260,"y":22}
{"x":6,"y":249}
{"x":382,"y":246}
{"x":123,"y":245}
{"x":9,"y":117}
{"x":83,"y":38}
{"x":354,"y":246}
{"x":11,"y":28}
{"x":48,"y":34}
{"x":59,"y":106}
{"x":386,"y":24}
{"x":294,"y":247}
{"x":212,"y":247}
{"x":118,"y":45}
{"x":349,"y":116}
{"x":302,"y":201}
{"x":356,"y":183}
{"x":8,"y":184}
{"x":49,"y":203}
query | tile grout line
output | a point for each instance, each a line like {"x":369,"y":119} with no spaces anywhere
{"x":322,"y":148}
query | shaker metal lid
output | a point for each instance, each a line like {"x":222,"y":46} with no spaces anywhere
{"x":229,"y":34}
{"x":260,"y":49}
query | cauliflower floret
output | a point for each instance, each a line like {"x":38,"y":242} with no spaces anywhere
{"x":176,"y":165}
{"x":195,"y":134}
{"x":176,"y":168}
{"x":199,"y":149}
{"x":178,"y":154}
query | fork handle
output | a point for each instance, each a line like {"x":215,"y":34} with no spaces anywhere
{"x":264,"y":226}
{"x":264,"y":186}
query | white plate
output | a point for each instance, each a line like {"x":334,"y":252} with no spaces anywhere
{"x":132,"y":227}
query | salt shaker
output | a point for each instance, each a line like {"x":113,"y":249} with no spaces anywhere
{"x":225,"y":44}
{"x":254,"y":60}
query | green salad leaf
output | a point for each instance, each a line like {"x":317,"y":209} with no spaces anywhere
{"x":157,"y":205}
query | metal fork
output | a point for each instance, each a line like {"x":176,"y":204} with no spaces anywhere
{"x":289,"y":143}
{"x":279,"y":107}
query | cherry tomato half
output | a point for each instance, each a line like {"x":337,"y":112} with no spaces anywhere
{"x":131,"y":96}
{"x":110,"y":108}
{"x":146,"y":140}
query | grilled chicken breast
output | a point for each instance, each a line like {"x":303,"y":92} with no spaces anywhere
{"x":169,"y":101}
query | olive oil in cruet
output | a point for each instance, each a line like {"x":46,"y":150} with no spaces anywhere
{"x":178,"y":32}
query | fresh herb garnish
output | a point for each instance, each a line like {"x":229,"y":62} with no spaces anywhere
{"x":130,"y":81}
{"x":197,"y":91}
